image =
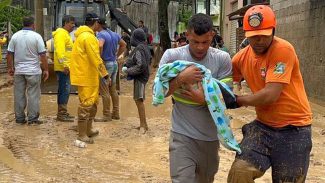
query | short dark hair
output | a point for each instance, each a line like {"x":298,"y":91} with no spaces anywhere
{"x":67,"y":19}
{"x":141,"y":21}
{"x":28,"y":21}
{"x":91,"y":18}
{"x":102,"y":22}
{"x":200,"y":23}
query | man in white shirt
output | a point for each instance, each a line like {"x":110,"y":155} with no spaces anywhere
{"x":25,"y":51}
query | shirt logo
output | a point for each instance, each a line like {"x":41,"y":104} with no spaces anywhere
{"x":279,"y":68}
{"x":263,"y":73}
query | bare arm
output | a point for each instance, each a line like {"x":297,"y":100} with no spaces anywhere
{"x":45,"y":67}
{"x":101,"y":45}
{"x":266,"y":96}
{"x":122,"y":48}
{"x":190,"y":75}
{"x":174,"y":84}
{"x":10,"y":64}
{"x":195,"y":94}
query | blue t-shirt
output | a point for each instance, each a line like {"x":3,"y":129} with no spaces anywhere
{"x":111,"y":40}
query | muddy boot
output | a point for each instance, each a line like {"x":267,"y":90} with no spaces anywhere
{"x":66,"y":112}
{"x":83,"y":117}
{"x":69,"y":116}
{"x":90,"y":131}
{"x":115,"y":101}
{"x":103,"y":119}
{"x":142,"y":115}
{"x":104,"y":91}
{"x":63,"y":114}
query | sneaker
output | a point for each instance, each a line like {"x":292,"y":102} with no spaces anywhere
{"x":69,"y":116}
{"x":116,"y":117}
{"x":64,"y":119}
{"x":35,"y":122}
{"x":104,"y":119}
{"x":21,"y":122}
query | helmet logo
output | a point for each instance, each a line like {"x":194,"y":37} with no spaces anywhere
{"x":255,"y":20}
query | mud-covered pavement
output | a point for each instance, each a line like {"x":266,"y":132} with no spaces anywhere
{"x":45,"y":153}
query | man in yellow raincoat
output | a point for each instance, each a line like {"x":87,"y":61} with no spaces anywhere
{"x":62,"y":51}
{"x":85,"y":68}
{"x":3,"y":40}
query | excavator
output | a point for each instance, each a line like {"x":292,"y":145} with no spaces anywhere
{"x":79,"y":8}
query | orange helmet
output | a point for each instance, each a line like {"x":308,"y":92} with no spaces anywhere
{"x":259,"y":20}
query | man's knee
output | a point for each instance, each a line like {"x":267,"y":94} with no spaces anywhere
{"x":243,"y":172}
{"x":289,"y":176}
{"x":184,"y":178}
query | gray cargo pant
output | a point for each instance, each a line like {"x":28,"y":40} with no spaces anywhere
{"x":27,"y":85}
{"x":191,"y":160}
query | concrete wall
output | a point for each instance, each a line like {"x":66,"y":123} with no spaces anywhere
{"x":302,"y":23}
{"x":149,"y":14}
{"x":229,"y":27}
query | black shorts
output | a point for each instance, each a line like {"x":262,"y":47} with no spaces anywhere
{"x":286,"y":150}
{"x":138,"y":90}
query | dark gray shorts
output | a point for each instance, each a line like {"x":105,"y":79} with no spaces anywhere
{"x":286,"y":149}
{"x":191,"y":160}
{"x":138,"y":90}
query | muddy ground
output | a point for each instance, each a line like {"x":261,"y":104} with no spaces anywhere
{"x":46,"y":153}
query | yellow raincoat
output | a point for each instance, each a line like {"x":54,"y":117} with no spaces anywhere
{"x":62,"y":49}
{"x":2,"y":41}
{"x":86,"y":64}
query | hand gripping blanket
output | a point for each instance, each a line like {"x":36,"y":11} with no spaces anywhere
{"x":212,"y":95}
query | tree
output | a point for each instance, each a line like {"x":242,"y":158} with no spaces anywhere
{"x":4,"y":3}
{"x":39,"y":21}
{"x":136,"y":2}
{"x":163,"y":24}
{"x":11,"y":14}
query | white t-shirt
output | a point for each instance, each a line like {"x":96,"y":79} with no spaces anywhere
{"x":27,"y":45}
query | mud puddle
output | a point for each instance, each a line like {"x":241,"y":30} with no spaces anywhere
{"x":45,"y":153}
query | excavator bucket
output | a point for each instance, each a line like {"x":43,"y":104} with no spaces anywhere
{"x":120,"y":18}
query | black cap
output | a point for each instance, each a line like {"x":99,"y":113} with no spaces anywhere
{"x":91,"y":17}
{"x":102,"y":22}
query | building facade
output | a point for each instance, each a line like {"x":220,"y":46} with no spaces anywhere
{"x":301,"y":22}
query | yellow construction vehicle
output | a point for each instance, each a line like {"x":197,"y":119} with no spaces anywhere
{"x":78,"y":9}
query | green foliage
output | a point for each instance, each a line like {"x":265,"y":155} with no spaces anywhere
{"x":184,"y":16}
{"x":181,"y":27}
{"x":14,"y":15}
{"x":4,"y":3}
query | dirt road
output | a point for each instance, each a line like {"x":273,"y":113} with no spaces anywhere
{"x":46,"y":153}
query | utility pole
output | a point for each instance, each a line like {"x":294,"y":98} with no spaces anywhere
{"x":163,"y":24}
{"x":208,"y":3}
{"x":39,"y":21}
{"x":85,"y":8}
{"x":193,"y":7}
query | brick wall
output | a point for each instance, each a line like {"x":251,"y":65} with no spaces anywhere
{"x":302,"y":23}
{"x":240,"y":34}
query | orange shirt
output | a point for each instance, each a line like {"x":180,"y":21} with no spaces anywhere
{"x":279,"y":65}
